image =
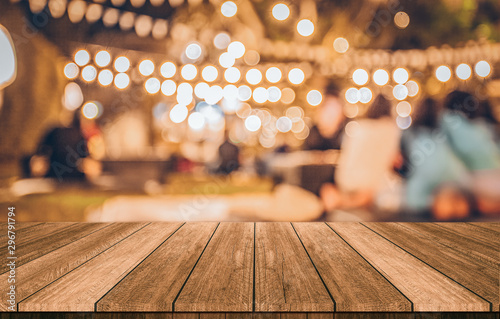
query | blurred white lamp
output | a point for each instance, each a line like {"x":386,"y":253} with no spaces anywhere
{"x":8,"y":64}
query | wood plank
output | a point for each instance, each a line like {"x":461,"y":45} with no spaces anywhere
{"x":223,"y":277}
{"x":37,"y":248}
{"x":487,"y":236}
{"x":40,"y":272}
{"x":25,"y":235}
{"x":427,"y":289}
{"x":491,"y":226}
{"x":460,"y":267}
{"x":81,"y":288}
{"x":486,"y":252}
{"x":285,"y":278}
{"x":18,"y":226}
{"x":171,"y":263}
{"x":362,"y":290}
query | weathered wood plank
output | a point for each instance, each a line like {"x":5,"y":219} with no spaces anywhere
{"x":486,"y":236}
{"x":491,"y":226}
{"x":28,"y":234}
{"x":37,"y":248}
{"x":81,"y":288}
{"x":362,"y":290}
{"x":427,"y":289}
{"x":486,"y":252}
{"x":223,"y":278}
{"x":460,"y":267}
{"x":285,"y":278}
{"x":40,"y":272}
{"x":171,"y":264}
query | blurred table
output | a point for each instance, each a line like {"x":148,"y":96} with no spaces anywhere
{"x":241,"y":270}
{"x":306,"y":169}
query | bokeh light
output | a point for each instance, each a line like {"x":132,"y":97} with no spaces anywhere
{"x":146,"y":67}
{"x":443,"y":73}
{"x":168,"y":70}
{"x":314,"y":97}
{"x":122,"y":64}
{"x":403,"y":122}
{"x":82,"y":57}
{"x":152,"y":85}
{"x":90,"y":110}
{"x":413,"y":88}
{"x":122,"y":81}
{"x":89,"y":73}
{"x":260,"y":95}
{"x":296,"y":76}
{"x":189,"y":72}
{"x":463,"y":71}
{"x":287,"y":95}
{"x":352,"y":95}
{"x":253,"y":123}
{"x":103,"y":58}
{"x":228,"y":9}
{"x":274,"y":94}
{"x":236,"y":49}
{"x":209,"y":73}
{"x":400,"y":92}
{"x":281,"y":11}
{"x":381,"y":77}
{"x":401,"y":19}
{"x":403,"y":109}
{"x":244,"y":93}
{"x":482,"y":69}
{"x":365,"y":95}
{"x":201,"y":90}
{"x":73,"y":96}
{"x":284,"y":124}
{"x":400,"y":75}
{"x":105,"y":77}
{"x":196,"y":121}
{"x":253,"y":76}
{"x":222,"y":40}
{"x":341,"y":45}
{"x":360,"y":76}
{"x":273,"y":74}
{"x":71,"y":70}
{"x":232,"y":75}
{"x":305,"y":27}
{"x":178,"y":113}
{"x":193,"y":51}
{"x":226,"y":60}
{"x":168,"y":87}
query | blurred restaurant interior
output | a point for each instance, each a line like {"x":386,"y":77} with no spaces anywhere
{"x":250,"y":110}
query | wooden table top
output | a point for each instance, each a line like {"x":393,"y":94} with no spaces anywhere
{"x":226,"y":268}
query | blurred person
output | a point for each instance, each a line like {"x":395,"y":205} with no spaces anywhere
{"x":472,"y":130}
{"x":65,"y":152}
{"x":229,"y":156}
{"x":368,"y":151}
{"x":326,"y":133}
{"x":435,"y":178}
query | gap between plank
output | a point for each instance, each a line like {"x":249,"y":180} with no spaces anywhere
{"x":95,"y":304}
{"x":317,"y":271}
{"x":411,"y":303}
{"x":196,"y":263}
{"x":491,"y":306}
{"x":62,"y":245}
{"x":17,"y":305}
{"x":254,"y":242}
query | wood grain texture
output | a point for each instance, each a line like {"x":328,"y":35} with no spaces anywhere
{"x":463,"y":268}
{"x":427,"y":289}
{"x":285,"y":278}
{"x":53,"y":241}
{"x":223,"y":277}
{"x":362,"y":290}
{"x":171,"y":264}
{"x":491,"y":226}
{"x":81,"y":288}
{"x":28,"y":234}
{"x":486,"y":252}
{"x":487,"y":236}
{"x":40,"y":272}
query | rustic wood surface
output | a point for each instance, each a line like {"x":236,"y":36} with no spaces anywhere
{"x":254,"y":270}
